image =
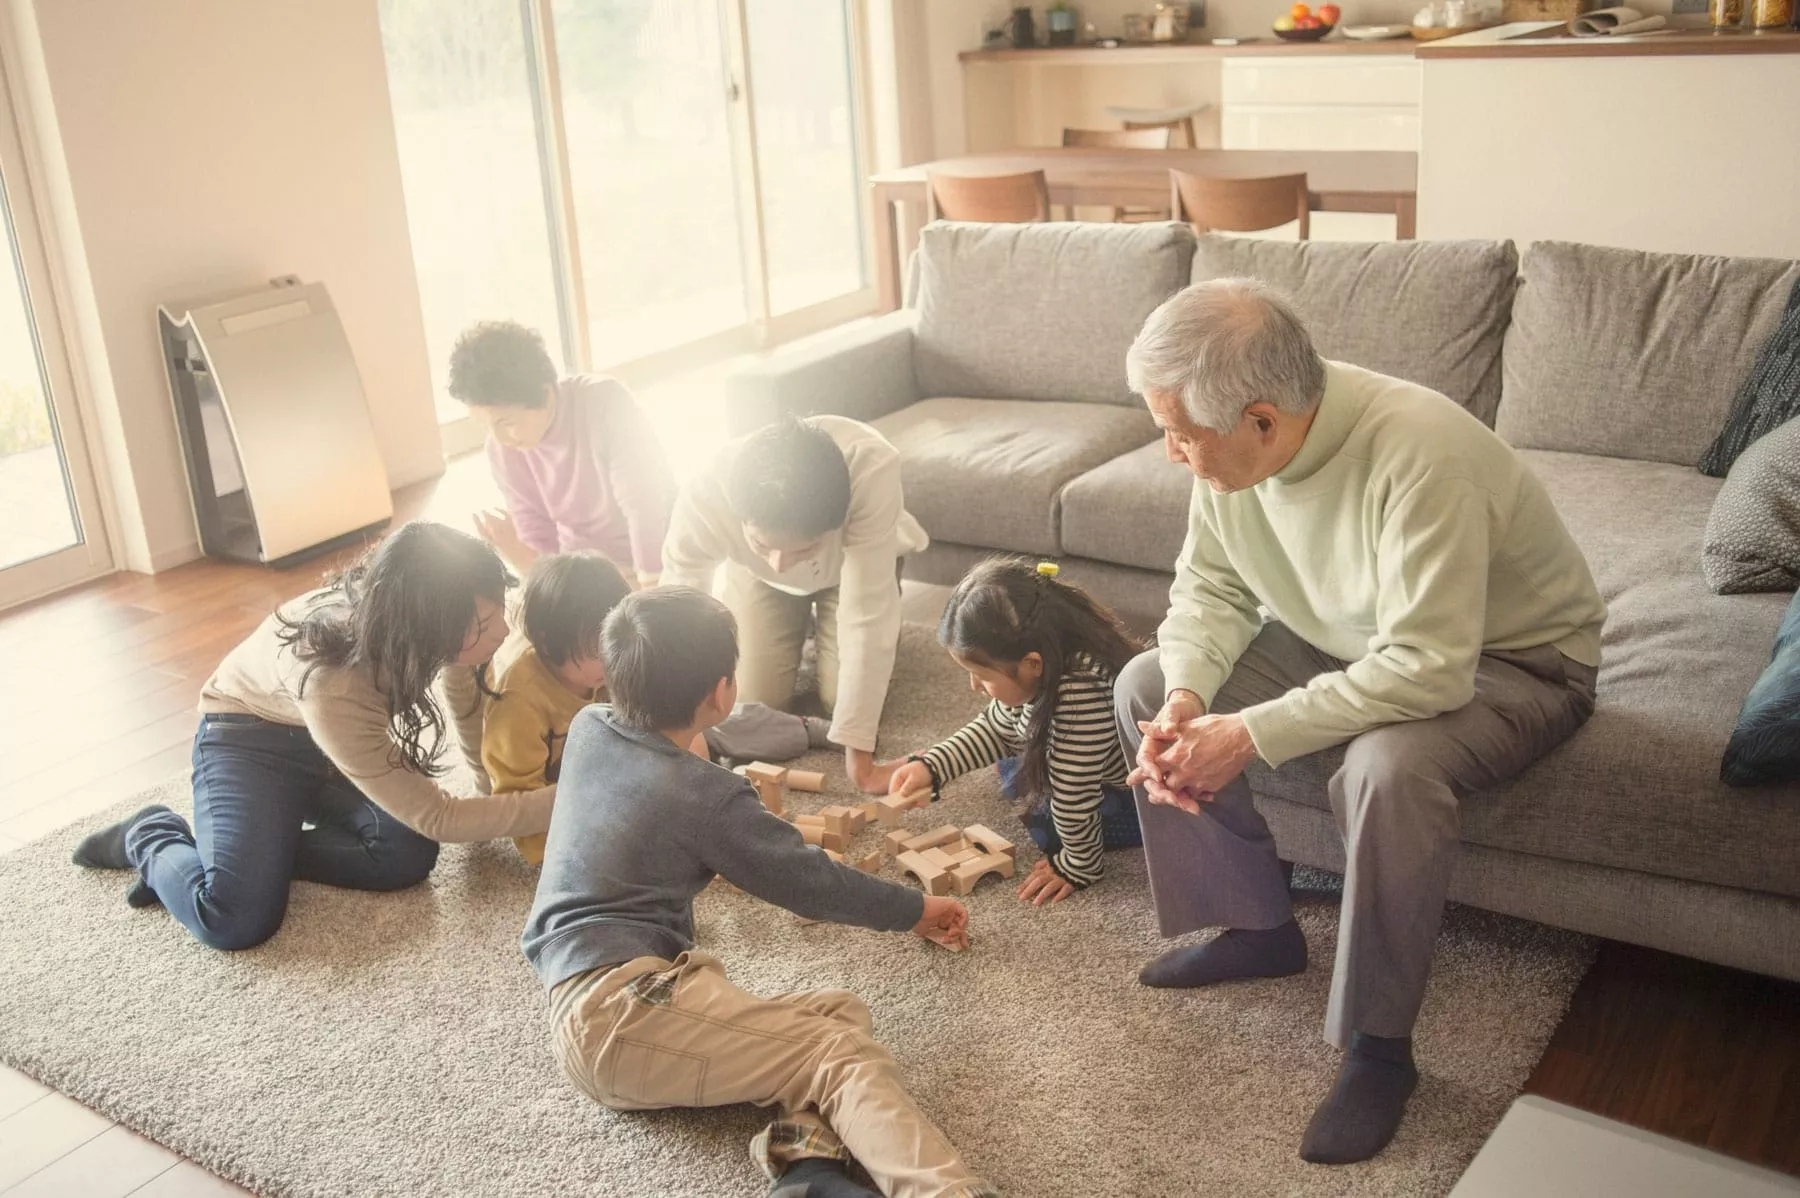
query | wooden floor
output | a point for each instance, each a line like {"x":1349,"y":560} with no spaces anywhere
{"x":1706,"y":1055}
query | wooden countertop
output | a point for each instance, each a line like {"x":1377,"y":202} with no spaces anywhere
{"x":1548,"y":40}
{"x":1153,"y":52}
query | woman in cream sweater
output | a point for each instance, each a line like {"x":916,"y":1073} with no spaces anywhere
{"x":319,"y":746}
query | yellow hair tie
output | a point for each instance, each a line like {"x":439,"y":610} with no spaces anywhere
{"x":1049,"y":569}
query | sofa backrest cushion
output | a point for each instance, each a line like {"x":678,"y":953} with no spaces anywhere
{"x":1039,"y":311}
{"x":1430,"y":312}
{"x":1633,"y":355}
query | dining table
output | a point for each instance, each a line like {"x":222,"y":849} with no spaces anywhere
{"x":1378,"y":181}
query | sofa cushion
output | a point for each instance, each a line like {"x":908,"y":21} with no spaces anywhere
{"x":1430,"y":312}
{"x":1040,"y":311}
{"x":1638,"y":787}
{"x":1131,"y":511}
{"x":987,"y":472}
{"x":1633,"y":355}
{"x":1753,"y":533}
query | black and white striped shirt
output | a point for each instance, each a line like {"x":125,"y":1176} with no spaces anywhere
{"x":1084,"y":756}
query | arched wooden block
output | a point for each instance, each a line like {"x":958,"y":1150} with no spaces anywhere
{"x":988,"y":840}
{"x":934,"y":880}
{"x":968,"y":875}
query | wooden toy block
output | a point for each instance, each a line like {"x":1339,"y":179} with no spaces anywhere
{"x":959,"y":855}
{"x":989,"y":841}
{"x":939,"y":858}
{"x":770,"y":794}
{"x":870,"y":863}
{"x":871,"y":812}
{"x":968,"y":875}
{"x":807,"y":780}
{"x":892,"y":806}
{"x":762,"y":769}
{"x":935,"y":838}
{"x":818,"y":834}
{"x":845,"y":820}
{"x":895,"y":842}
{"x":933,"y":879}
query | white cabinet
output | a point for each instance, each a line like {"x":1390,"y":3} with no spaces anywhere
{"x":1357,"y":102}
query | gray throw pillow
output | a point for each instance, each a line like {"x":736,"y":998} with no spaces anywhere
{"x":1753,"y":535}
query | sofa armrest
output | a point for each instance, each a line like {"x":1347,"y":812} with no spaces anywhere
{"x":864,"y":372}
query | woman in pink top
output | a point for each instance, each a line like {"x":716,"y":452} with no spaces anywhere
{"x":576,"y":460}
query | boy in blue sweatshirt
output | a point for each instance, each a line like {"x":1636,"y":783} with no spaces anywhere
{"x":639,"y":1017}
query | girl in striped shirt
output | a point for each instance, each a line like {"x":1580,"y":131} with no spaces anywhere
{"x":1046,"y":654}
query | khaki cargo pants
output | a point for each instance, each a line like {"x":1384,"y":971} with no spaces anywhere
{"x":654,"y":1033}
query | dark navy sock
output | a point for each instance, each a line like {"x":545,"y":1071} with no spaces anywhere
{"x":1231,"y":955}
{"x":105,"y":849}
{"x":1364,"y":1108}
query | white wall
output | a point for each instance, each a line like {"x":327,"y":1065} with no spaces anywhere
{"x":191,"y":146}
{"x":1677,"y":154}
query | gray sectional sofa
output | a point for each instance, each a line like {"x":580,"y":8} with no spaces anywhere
{"x":1004,"y":386}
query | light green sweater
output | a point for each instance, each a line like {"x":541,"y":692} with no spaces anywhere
{"x":1404,"y":538}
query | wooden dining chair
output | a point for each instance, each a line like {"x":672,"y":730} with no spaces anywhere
{"x":1160,"y":137}
{"x":1240,"y":205}
{"x":1179,"y":119}
{"x":1006,"y":199}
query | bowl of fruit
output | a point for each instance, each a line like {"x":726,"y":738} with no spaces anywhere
{"x":1302,"y":24}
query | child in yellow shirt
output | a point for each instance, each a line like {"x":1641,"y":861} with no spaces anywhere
{"x":567,"y":598}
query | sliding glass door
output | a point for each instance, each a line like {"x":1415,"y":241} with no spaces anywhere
{"x":51,"y":534}
{"x":655,"y":184}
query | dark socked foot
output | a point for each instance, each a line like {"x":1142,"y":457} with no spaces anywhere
{"x":139,"y":894}
{"x":105,"y":849}
{"x":1363,"y":1111}
{"x":816,"y":1177}
{"x":818,"y":732}
{"x":1232,"y":955}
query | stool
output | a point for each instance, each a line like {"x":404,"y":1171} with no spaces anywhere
{"x":1181,"y":118}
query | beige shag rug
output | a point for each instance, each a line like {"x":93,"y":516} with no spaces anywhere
{"x":394,"y":1044}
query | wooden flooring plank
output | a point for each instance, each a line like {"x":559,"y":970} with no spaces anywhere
{"x":69,"y":806}
{"x":188,"y":1180}
{"x":42,"y":1133}
{"x":76,"y":773}
{"x":111,"y":1165}
{"x":17,"y":1091}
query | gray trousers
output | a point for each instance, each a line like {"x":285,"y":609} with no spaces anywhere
{"x":757,"y":732}
{"x":1396,"y":799}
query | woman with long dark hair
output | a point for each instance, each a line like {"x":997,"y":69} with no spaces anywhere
{"x":1046,"y":654}
{"x":319,"y":746}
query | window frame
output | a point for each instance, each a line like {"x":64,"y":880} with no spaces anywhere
{"x":763,"y":330}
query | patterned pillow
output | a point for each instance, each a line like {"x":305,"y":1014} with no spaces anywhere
{"x":1753,"y":535}
{"x":1765,"y":746}
{"x":1770,"y":394}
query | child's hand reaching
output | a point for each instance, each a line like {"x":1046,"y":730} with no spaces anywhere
{"x":908,"y":777}
{"x":945,"y":922}
{"x":1045,"y":885}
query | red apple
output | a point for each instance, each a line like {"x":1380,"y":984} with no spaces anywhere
{"x":1308,"y":23}
{"x":1329,"y":13}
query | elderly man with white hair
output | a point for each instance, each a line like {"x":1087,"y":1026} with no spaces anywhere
{"x":1366,"y":563}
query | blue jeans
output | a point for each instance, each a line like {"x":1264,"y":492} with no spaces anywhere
{"x":269,"y":807}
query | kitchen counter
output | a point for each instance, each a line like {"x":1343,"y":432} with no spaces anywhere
{"x":1546,"y":39}
{"x":1164,"y":52}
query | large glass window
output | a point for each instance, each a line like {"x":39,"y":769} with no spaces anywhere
{"x":461,"y":86}
{"x":806,"y":145}
{"x":642,"y":180}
